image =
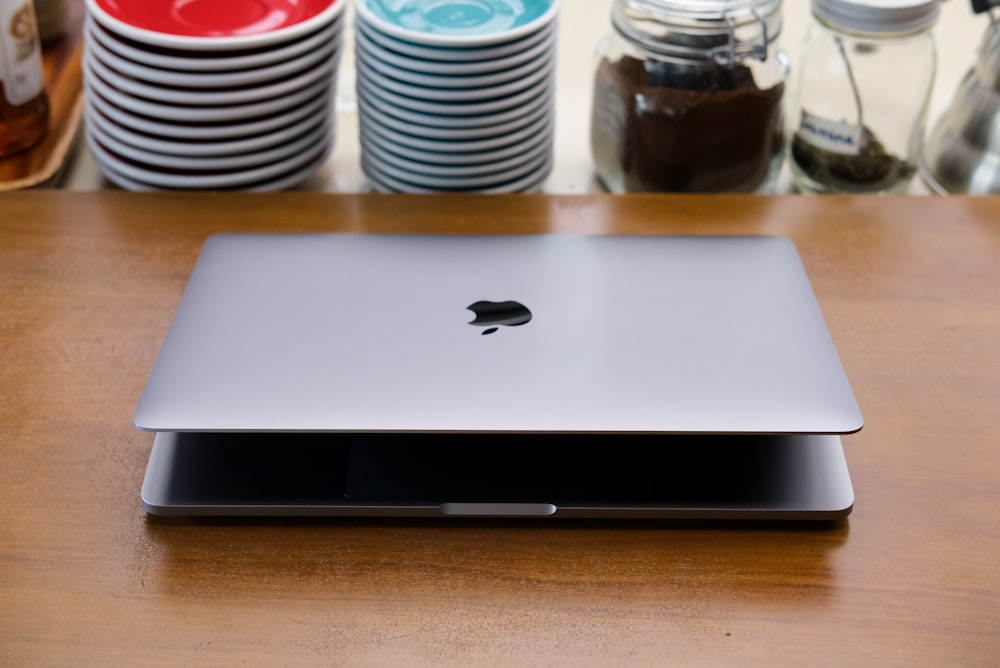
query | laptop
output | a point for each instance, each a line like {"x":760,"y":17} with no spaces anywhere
{"x":498,"y":376}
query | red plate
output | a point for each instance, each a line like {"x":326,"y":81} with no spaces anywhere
{"x":213,"y":18}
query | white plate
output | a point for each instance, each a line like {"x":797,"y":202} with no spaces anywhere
{"x":459,"y":109}
{"x":432,"y":167}
{"x":365,"y":14}
{"x":542,"y":71}
{"x":181,"y":79}
{"x":221,"y":163}
{"x":456,"y":61}
{"x":237,"y":179}
{"x":428,"y":181}
{"x":486,"y":121}
{"x":431,"y":152}
{"x":224,"y":62}
{"x":528,"y":183}
{"x":209,"y":134}
{"x":281,"y":182}
{"x":541,"y":50}
{"x":274,"y":38}
{"x":402,"y":69}
{"x":368,"y":113}
{"x":198,"y":148}
{"x":475,"y":164}
{"x":238,"y":112}
{"x":210,"y":98}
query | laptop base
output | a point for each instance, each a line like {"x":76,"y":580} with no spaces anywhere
{"x":794,"y":477}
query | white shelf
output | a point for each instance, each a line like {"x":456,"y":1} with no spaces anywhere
{"x":582,"y":25}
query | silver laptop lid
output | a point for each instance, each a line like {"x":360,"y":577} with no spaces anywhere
{"x":556,"y":333}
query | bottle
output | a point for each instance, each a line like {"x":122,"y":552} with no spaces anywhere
{"x":24,"y":103}
{"x":961,"y":153}
{"x":864,"y":84}
{"x":51,"y":17}
{"x":688,"y":97}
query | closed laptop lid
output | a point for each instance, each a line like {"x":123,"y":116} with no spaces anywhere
{"x":549,"y":333}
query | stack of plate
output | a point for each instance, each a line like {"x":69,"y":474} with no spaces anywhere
{"x":456,"y":95}
{"x":203,"y":95}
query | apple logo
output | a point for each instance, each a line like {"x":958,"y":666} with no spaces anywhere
{"x":490,"y":314}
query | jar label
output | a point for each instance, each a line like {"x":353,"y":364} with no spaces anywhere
{"x":832,"y":136}
{"x":20,"y":52}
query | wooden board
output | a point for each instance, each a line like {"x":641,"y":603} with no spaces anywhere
{"x":41,"y":164}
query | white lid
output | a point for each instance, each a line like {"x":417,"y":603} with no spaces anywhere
{"x":877,"y":16}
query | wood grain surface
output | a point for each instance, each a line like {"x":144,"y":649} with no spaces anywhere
{"x":911,"y":291}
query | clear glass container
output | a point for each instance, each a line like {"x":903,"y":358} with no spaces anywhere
{"x":861,"y":95}
{"x":688,"y":97}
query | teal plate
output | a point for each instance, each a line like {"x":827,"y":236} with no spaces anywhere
{"x":452,"y":20}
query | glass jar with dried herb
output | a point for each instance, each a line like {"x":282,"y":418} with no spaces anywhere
{"x":688,"y":97}
{"x":864,"y":82}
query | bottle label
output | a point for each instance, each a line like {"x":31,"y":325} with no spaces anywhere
{"x":20,"y":52}
{"x":832,"y":136}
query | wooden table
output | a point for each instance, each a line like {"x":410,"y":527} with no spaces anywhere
{"x":911,"y":291}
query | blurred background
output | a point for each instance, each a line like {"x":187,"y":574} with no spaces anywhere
{"x":582,"y":25}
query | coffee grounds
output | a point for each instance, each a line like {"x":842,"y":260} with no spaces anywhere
{"x":873,"y":170}
{"x":673,"y":128}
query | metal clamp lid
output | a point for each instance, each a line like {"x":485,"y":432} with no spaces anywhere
{"x":704,"y":30}
{"x":878,"y":16}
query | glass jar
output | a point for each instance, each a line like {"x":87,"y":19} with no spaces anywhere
{"x":860,"y":106}
{"x":24,"y":103}
{"x":688,"y":97}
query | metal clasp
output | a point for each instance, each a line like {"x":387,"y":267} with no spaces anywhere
{"x":727,"y":55}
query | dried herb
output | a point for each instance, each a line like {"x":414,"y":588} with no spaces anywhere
{"x":873,"y":170}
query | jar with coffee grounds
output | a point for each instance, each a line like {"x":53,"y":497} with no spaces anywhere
{"x":862,"y":90}
{"x":688,"y":97}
